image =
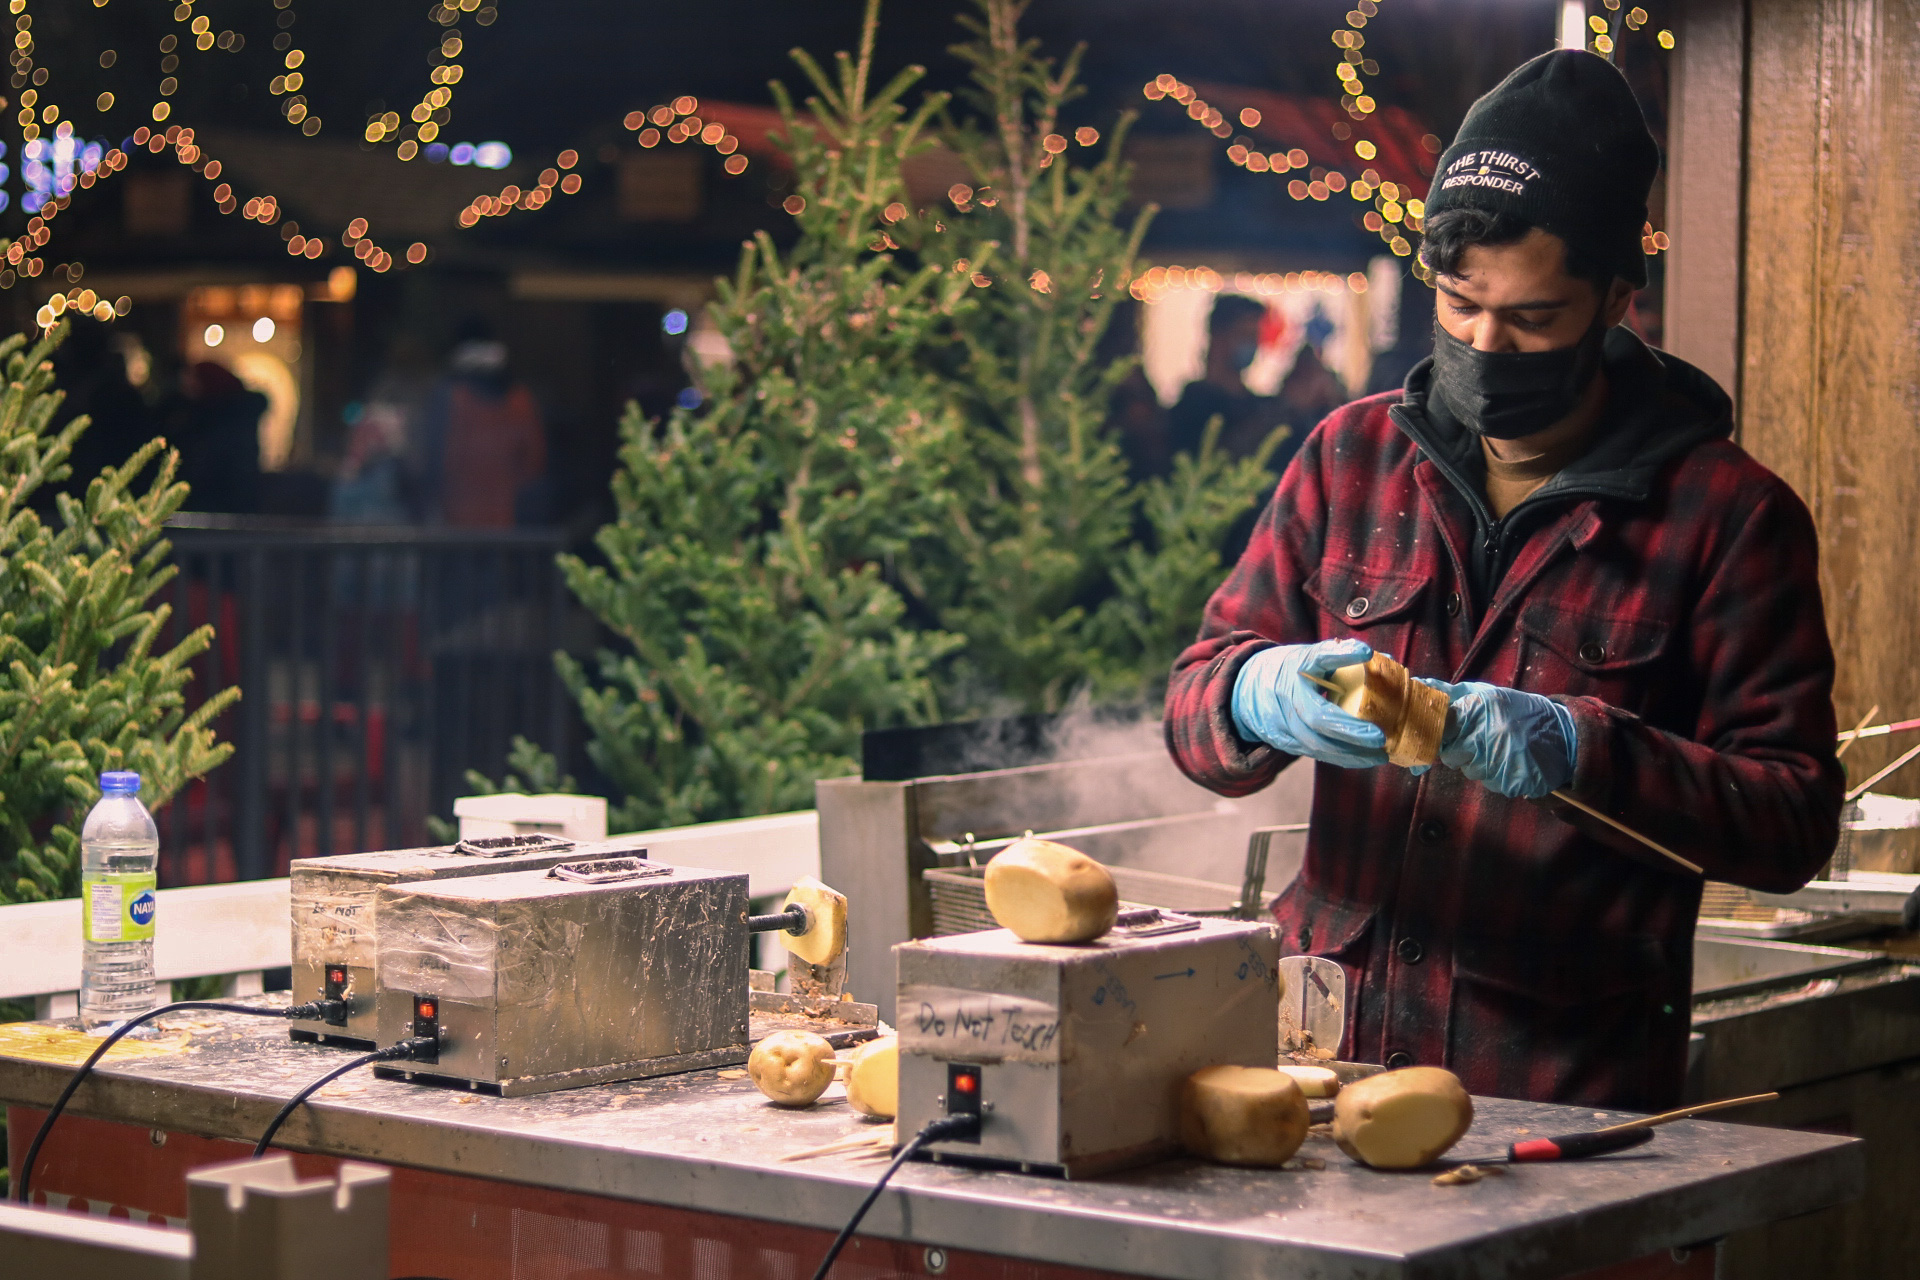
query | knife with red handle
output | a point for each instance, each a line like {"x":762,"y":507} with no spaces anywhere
{"x":1572,"y":1146}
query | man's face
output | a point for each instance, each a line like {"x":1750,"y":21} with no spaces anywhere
{"x":1519,"y":297}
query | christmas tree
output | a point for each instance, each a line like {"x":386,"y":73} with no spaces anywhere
{"x":900,"y":501}
{"x":746,"y":568}
{"x":82,"y":689}
{"x":1051,"y":582}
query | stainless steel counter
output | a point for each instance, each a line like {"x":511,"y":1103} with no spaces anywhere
{"x":710,"y":1143}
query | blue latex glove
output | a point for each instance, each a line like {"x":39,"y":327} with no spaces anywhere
{"x":1274,"y":704}
{"x":1518,"y":744}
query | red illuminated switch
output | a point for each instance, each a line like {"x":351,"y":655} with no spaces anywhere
{"x":963,"y":1093}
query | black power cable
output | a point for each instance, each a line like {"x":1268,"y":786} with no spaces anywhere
{"x":405,"y":1049}
{"x":316,"y":1009}
{"x":954,"y":1126}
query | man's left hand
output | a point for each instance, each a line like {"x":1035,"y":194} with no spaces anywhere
{"x":1518,"y":744}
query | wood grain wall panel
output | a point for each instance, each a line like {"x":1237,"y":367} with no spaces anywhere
{"x":1706,"y":132}
{"x":1830,"y":367}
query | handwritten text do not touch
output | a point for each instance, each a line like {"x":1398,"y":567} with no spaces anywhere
{"x":946,"y":1020}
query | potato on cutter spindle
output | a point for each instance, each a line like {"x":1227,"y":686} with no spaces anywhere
{"x":825,"y":936}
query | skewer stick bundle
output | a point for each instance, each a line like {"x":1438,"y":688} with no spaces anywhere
{"x":1848,"y":739}
{"x":1878,"y":730}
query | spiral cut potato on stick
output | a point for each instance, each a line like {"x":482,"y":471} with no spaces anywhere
{"x":1411,"y":714}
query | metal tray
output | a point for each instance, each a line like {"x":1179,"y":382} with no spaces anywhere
{"x":1727,"y":967}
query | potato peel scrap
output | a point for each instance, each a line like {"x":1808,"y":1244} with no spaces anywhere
{"x":1468,"y":1173}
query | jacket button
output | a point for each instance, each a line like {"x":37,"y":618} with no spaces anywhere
{"x":1396,"y":1060}
{"x":1306,"y":937}
{"x":1357,"y":607}
{"x":1410,"y":951}
{"x":1432,"y":832}
{"x":1453,"y":604}
{"x":1593,"y":651}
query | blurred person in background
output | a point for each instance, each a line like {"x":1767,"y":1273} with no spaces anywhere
{"x":1233,"y":340}
{"x":215,"y":424}
{"x":1134,"y":415}
{"x":484,"y":444}
{"x":375,"y":484}
{"x":1310,"y":390}
{"x":94,"y":377}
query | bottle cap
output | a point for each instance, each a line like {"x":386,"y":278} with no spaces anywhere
{"x":120,"y":782}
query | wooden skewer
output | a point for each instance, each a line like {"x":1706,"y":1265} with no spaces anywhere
{"x":883,"y":1138}
{"x":1667,"y":1117}
{"x":1879,"y":730}
{"x":1901,"y":762}
{"x":1588,"y":809}
{"x":1626,"y":830}
{"x":1848,"y":739}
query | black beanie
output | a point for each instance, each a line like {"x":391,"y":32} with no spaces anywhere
{"x":1560,"y":144}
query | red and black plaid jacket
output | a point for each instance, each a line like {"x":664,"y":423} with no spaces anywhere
{"x":1668,"y":597}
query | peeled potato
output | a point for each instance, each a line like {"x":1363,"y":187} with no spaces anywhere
{"x":1314,"y":1082}
{"x":1374,"y":690}
{"x":1401,"y":1119}
{"x":826,"y":935}
{"x":792,"y":1067}
{"x":1411,"y":714}
{"x":873,"y":1078}
{"x":1242,"y":1115}
{"x":1047,"y":892}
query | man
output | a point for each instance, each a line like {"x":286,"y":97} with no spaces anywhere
{"x":1233,"y":339}
{"x":1553,"y":516}
{"x":486,"y":448}
{"x":1310,"y":391}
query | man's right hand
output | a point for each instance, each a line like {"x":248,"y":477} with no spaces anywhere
{"x":1274,"y":703}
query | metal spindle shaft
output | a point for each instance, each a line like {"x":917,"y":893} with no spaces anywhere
{"x":792,"y":920}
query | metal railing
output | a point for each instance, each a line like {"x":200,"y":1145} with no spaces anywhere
{"x":378,"y":664}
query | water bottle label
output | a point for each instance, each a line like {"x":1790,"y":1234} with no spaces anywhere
{"x":119,"y":907}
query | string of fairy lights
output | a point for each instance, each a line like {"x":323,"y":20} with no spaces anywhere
{"x":1601,"y":28}
{"x":1156,"y":282}
{"x":679,"y":122}
{"x":1394,"y":205}
{"x":1396,"y":208}
{"x":90,"y":165}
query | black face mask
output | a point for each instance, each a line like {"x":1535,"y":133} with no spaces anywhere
{"x":1509,"y":394}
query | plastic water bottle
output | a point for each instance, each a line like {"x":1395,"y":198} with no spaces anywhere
{"x":120,"y":852}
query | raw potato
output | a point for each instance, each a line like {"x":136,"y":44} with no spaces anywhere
{"x":1413,"y":715}
{"x":1242,"y":1115}
{"x":792,"y":1067}
{"x":1401,"y":1119}
{"x":873,"y":1078}
{"x":1314,"y":1082}
{"x":826,"y":935}
{"x":1047,"y":892}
